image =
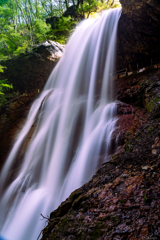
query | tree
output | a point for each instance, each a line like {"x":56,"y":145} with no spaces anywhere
{"x":23,"y":22}
{"x":86,"y":7}
{"x":20,"y":21}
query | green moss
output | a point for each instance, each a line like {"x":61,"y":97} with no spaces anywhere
{"x":97,"y":232}
{"x":121,"y":201}
{"x":157,"y":99}
{"x":75,"y":194}
{"x":128,"y":147}
{"x":113,"y":219}
{"x":77,"y":202}
{"x":114,"y":156}
{"x":63,"y":221}
{"x":151,"y":130}
{"x":54,"y":236}
{"x":152,"y":103}
{"x":144,"y":198}
{"x":63,"y":225}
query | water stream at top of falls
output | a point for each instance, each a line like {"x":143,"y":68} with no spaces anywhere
{"x":73,"y":121}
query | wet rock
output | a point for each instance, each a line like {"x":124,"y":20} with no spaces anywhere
{"x":123,"y":108}
{"x":129,"y":120}
{"x":146,"y":92}
{"x":65,"y":206}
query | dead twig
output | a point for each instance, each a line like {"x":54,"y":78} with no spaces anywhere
{"x":39,"y":234}
{"x":45,"y":217}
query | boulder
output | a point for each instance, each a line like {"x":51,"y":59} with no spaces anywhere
{"x":29,"y":72}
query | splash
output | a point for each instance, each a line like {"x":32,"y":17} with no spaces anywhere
{"x":72,"y":123}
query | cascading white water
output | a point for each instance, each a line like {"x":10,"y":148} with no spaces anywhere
{"x":74,"y":118}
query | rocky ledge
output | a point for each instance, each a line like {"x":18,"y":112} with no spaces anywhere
{"x":122,"y":200}
{"x":29,"y":72}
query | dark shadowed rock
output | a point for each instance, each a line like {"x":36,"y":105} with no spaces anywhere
{"x":138,"y":33}
{"x":29,"y":72}
{"x":53,"y":21}
{"x":71,"y":11}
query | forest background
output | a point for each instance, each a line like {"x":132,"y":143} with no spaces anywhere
{"x":26,"y":23}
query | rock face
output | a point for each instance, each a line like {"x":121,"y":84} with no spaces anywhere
{"x":29,"y":72}
{"x":138,"y":34}
{"x":141,"y":90}
{"x":122,"y":200}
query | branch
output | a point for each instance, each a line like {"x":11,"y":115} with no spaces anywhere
{"x":45,"y":217}
{"x":43,"y":5}
{"x":39,"y":235}
{"x":23,"y":14}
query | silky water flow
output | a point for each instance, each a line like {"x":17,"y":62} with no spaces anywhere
{"x":72,"y":122}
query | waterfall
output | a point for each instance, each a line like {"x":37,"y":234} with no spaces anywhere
{"x":71,"y":122}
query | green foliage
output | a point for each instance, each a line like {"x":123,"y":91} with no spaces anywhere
{"x":19,"y":19}
{"x":23,"y":25}
{"x":90,"y":7}
{"x":63,"y":29}
{"x":40,"y":30}
{"x":2,"y":2}
{"x":12,"y":43}
{"x":23,"y":22}
{"x":4,"y":86}
{"x":1,"y":68}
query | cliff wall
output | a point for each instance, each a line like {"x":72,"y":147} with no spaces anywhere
{"x":138,"y":38}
